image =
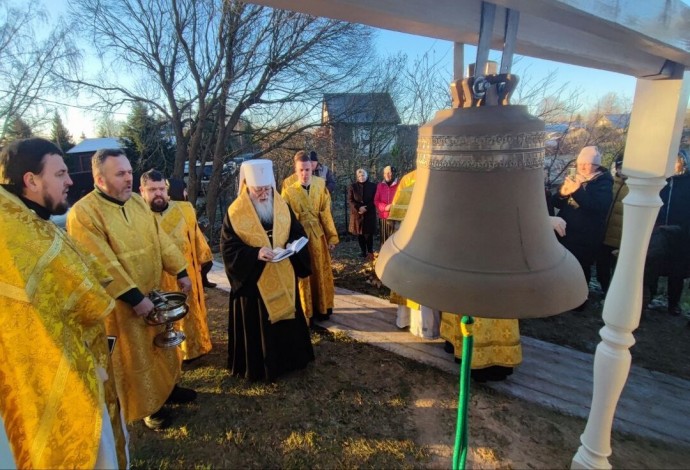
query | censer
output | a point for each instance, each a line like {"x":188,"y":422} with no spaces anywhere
{"x":168,"y":308}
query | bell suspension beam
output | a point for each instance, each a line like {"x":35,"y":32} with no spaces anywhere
{"x":484,"y":86}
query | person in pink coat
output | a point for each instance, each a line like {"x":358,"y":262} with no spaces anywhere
{"x":385,"y":192}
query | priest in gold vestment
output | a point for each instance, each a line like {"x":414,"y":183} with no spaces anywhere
{"x":118,"y":228}
{"x":58,"y":408}
{"x":421,"y":320}
{"x":311,"y":203}
{"x":497,"y":348}
{"x":178,"y":220}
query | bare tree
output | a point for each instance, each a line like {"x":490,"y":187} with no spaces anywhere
{"x":208,"y":64}
{"x":169,"y":51}
{"x":32,"y":61}
{"x":277,"y":66}
{"x":557,"y":104}
{"x":425,"y":89}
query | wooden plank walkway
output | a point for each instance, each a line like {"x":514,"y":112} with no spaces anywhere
{"x":653,"y":404}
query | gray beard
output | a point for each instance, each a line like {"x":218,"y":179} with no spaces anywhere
{"x":264,"y":210}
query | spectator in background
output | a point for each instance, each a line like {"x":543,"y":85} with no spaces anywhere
{"x":606,"y":258}
{"x":360,"y":199}
{"x":322,"y":171}
{"x":177,"y":190}
{"x":669,"y":246}
{"x":583,"y":201}
{"x":676,"y":195}
{"x":385,"y":192}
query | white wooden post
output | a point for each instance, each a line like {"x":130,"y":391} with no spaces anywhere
{"x":651,"y":148}
{"x":458,"y":60}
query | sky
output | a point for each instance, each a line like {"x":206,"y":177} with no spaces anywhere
{"x":593,"y":84}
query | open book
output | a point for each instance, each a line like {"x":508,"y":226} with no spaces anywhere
{"x":289,"y":250}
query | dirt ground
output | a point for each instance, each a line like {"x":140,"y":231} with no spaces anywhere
{"x":358,"y":406}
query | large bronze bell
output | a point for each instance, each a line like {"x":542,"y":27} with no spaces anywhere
{"x":477,"y":239}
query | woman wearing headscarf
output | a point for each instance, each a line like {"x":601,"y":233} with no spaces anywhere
{"x":583,"y":201}
{"x":360,"y":198}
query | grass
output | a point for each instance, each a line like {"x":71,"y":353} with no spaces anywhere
{"x":323,"y":417}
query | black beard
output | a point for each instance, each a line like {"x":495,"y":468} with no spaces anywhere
{"x":55,"y":208}
{"x":158,"y":205}
{"x":60,"y":208}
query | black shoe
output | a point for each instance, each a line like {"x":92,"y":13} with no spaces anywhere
{"x":448,"y":347}
{"x":208,"y":284}
{"x":491,"y":373}
{"x":192,"y":360}
{"x":320,"y":317}
{"x":158,"y":420}
{"x":181,"y":395}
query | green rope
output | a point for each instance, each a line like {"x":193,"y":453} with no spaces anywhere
{"x":461,"y":431}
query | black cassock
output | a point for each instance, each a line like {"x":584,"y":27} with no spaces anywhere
{"x":257,"y":348}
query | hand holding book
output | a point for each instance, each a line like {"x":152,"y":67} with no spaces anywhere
{"x":289,"y":250}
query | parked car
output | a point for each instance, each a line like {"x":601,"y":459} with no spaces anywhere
{"x":204,"y":177}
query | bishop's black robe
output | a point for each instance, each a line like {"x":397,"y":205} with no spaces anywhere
{"x":257,"y":348}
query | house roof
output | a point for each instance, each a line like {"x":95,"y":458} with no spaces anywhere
{"x":91,"y":145}
{"x":359,"y":108}
{"x":561,"y":127}
{"x":619,"y":121}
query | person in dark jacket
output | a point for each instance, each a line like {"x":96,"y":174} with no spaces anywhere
{"x":177,"y":189}
{"x":669,"y":247}
{"x":676,"y":195}
{"x":360,"y":198}
{"x":583,"y":201}
{"x":321,"y":170}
